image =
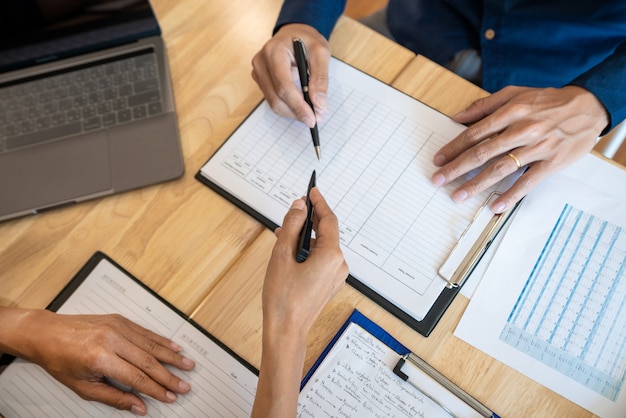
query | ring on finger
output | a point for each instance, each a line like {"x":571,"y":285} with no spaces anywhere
{"x":517,"y":161}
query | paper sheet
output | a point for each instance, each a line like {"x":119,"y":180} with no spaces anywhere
{"x":221,"y":385}
{"x":356,"y":379}
{"x":552,"y":303}
{"x":377,"y":149}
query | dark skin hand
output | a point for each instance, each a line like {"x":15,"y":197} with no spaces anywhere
{"x":82,"y":351}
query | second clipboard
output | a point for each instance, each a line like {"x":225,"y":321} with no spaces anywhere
{"x":378,"y":373}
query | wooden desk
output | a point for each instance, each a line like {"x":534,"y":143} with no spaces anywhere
{"x":206,"y":256}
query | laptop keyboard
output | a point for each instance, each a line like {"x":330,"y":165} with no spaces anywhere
{"x":88,"y":99}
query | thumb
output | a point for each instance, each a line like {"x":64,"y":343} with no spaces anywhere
{"x":292,"y":224}
{"x":318,"y":79}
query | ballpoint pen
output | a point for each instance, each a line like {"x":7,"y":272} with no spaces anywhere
{"x":303,"y":72}
{"x":304,"y":242}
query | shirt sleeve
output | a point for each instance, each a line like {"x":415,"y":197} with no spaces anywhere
{"x":320,"y":14}
{"x":607,"y":81}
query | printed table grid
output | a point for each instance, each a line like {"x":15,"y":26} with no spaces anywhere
{"x":571,"y":313}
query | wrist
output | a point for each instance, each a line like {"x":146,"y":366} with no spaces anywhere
{"x":15,"y":331}
{"x":594,"y":107}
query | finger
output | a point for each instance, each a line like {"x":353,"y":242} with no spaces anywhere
{"x":536,"y":173}
{"x":127,"y":374}
{"x":140,"y":370}
{"x":163,"y":349}
{"x":292,"y":225}
{"x":319,"y":58}
{"x":485,"y":106}
{"x":492,"y":174}
{"x":261,"y":74}
{"x":112,"y":396}
{"x":282,"y":77}
{"x":490,"y":117}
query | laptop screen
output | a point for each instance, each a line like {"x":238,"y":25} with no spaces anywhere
{"x":39,"y":31}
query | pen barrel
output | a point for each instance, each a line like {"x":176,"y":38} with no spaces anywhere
{"x":315,"y":135}
{"x":301,"y":63}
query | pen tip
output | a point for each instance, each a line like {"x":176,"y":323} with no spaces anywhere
{"x":318,"y":152}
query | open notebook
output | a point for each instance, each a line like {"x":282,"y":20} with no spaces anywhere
{"x":222,"y":383}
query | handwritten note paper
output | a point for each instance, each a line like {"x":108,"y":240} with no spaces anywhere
{"x":356,"y":379}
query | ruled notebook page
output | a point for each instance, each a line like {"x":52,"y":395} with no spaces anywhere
{"x":220,"y":385}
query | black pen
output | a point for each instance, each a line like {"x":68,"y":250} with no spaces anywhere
{"x":304,"y":243}
{"x":303,"y":72}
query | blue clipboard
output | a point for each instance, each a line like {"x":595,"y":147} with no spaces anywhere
{"x":406,"y":359}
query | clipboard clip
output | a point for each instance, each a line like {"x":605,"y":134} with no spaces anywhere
{"x":461,"y":261}
{"x":439,"y":378}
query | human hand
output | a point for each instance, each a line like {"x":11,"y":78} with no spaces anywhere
{"x":83,"y":351}
{"x":295,"y":293}
{"x":274,"y":70}
{"x":546,"y":129}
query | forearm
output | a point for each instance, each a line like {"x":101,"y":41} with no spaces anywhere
{"x":280,"y":374}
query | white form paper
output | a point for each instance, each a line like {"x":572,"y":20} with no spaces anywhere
{"x":220,"y":385}
{"x":552,"y":303}
{"x":377,"y":149}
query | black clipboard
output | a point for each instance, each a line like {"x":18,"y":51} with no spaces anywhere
{"x":445,"y":298}
{"x":424,"y":326}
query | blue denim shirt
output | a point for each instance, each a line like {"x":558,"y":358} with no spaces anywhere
{"x":535,"y":43}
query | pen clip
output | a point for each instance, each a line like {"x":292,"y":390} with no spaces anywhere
{"x":302,"y":63}
{"x":479,"y":247}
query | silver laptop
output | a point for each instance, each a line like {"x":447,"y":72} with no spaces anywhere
{"x":86,"y":106}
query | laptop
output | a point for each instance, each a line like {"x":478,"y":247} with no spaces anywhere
{"x":86,"y":105}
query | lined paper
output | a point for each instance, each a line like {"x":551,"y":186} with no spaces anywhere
{"x":356,"y":379}
{"x":377,"y":149}
{"x":220,"y":385}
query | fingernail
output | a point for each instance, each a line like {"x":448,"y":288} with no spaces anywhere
{"x":138,"y":410}
{"x":171,"y":396}
{"x":188,"y":362}
{"x":183,"y":386}
{"x":461,"y":113}
{"x":498,"y":207}
{"x":460,"y":196}
{"x":438,"y":179}
{"x":310,"y":122}
{"x":439,"y":159}
{"x":298,"y":204}
{"x":174,"y":346}
{"x":321,"y":102}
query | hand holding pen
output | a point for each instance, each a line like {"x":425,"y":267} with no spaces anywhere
{"x":304,"y":242}
{"x":303,"y":72}
{"x":272,"y":69}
